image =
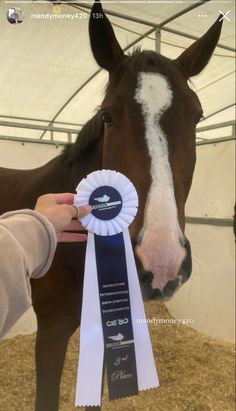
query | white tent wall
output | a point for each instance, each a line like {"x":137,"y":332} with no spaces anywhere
{"x":207,"y":298}
{"x":26,"y":155}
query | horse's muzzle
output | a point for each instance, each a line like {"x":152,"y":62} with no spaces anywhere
{"x":172,"y":286}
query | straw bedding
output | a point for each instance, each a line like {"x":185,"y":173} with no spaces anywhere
{"x":196,"y":373}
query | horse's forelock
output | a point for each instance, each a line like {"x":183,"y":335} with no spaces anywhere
{"x":140,"y":61}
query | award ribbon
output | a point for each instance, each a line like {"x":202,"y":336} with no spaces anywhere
{"x":112,"y":301}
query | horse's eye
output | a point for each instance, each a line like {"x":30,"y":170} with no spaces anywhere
{"x":106,"y":117}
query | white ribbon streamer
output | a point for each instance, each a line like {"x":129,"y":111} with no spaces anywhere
{"x":90,"y":367}
{"x":146,"y":369}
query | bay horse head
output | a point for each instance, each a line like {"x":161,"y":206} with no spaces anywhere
{"x":150,"y":115}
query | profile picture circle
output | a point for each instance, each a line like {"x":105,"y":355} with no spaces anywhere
{"x":15,"y":15}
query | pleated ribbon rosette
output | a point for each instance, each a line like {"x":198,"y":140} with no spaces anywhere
{"x":113,"y":330}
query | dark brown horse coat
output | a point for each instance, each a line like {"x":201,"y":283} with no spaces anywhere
{"x":109,"y":140}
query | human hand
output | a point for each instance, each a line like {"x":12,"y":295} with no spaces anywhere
{"x":60,"y":211}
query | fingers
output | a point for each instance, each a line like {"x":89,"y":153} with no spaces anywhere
{"x":84,"y":210}
{"x":74,"y":225}
{"x":49,"y":200}
{"x":79,"y":212}
{"x":71,"y":237}
{"x":64,"y":198}
{"x":55,"y":199}
{"x":60,"y":210}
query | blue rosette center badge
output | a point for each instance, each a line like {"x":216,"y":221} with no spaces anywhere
{"x":113,"y":199}
{"x":106,"y":207}
{"x":112,"y":301}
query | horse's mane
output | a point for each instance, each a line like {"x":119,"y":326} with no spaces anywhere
{"x":90,"y":132}
{"x":141,"y":60}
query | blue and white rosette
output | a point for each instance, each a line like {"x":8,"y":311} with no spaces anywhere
{"x":113,"y":316}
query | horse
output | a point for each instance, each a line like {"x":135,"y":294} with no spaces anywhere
{"x":145,"y":129}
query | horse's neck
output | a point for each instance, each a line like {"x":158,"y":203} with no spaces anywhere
{"x":87,"y":161}
{"x":21,"y":188}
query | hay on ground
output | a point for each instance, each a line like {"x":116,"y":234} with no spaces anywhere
{"x":196,"y":373}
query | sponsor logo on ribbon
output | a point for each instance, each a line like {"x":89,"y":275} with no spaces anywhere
{"x":106,"y":202}
{"x":118,"y":337}
{"x":120,"y":321}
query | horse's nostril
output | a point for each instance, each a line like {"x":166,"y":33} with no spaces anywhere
{"x":148,"y":292}
{"x":146,"y":277}
{"x":183,"y":241}
{"x":136,"y":241}
{"x":139,"y":239}
{"x":171,"y":287}
{"x":186,"y":267}
{"x":187,"y":245}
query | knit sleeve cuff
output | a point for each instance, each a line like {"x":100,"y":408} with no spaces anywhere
{"x":37,"y":237}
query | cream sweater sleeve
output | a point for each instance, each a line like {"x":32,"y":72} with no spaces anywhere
{"x":27,"y":246}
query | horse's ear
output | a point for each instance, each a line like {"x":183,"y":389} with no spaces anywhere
{"x":105,"y":47}
{"x":195,"y":58}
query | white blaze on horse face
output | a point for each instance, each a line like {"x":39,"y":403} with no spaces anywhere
{"x":160,"y":249}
